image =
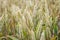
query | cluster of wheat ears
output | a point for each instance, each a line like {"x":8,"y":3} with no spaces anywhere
{"x":29,"y":19}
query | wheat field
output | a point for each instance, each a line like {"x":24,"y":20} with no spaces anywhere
{"x":29,"y":19}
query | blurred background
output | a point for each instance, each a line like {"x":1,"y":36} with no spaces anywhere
{"x":29,"y":19}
